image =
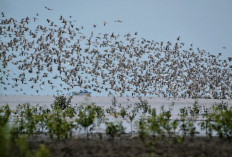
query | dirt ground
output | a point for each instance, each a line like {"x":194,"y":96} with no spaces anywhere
{"x":134,"y":147}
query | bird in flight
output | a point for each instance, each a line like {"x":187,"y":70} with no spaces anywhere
{"x":48,"y":8}
{"x":118,"y":21}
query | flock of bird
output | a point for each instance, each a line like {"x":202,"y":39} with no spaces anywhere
{"x":60,"y":56}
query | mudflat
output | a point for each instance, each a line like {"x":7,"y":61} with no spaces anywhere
{"x":14,"y":100}
{"x":126,"y":146}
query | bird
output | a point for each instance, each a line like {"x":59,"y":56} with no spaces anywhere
{"x":48,"y":8}
{"x":118,"y":21}
{"x":60,"y":56}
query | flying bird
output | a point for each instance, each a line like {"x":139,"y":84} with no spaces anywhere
{"x":118,"y":21}
{"x":48,"y":8}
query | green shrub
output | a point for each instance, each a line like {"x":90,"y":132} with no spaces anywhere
{"x":4,"y":141}
{"x":57,"y":124}
{"x":114,"y":130}
{"x":222,"y":122}
{"x":88,"y":114}
{"x":143,"y":130}
{"x":62,"y":102}
{"x":206,"y":124}
{"x":27,"y":119}
{"x":5,"y":113}
{"x":43,"y":151}
{"x":11,"y":145}
{"x":183,"y":125}
{"x":23,"y":147}
{"x":161,"y":125}
{"x":194,"y":110}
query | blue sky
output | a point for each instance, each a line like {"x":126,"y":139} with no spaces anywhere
{"x":205,"y":23}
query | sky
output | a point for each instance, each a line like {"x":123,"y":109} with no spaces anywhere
{"x":204,"y":23}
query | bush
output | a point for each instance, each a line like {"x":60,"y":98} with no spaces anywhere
{"x":43,"y":152}
{"x":4,"y":115}
{"x":58,"y":125}
{"x":87,"y":114}
{"x":4,"y":141}
{"x":62,"y":102}
{"x":11,"y":145}
{"x":27,"y":119}
{"x":114,"y":130}
{"x":222,"y":122}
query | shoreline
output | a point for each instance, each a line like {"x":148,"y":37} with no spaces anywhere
{"x":105,"y":100}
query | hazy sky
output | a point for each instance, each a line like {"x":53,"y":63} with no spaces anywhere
{"x":205,"y":23}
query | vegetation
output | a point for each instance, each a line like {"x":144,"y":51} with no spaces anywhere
{"x":62,"y":102}
{"x":114,"y":130}
{"x":9,"y":143}
{"x":88,"y":114}
{"x":62,"y":118}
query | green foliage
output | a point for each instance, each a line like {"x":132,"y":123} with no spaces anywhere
{"x":9,"y":143}
{"x":57,"y":125}
{"x":179,"y":139}
{"x":43,"y":151}
{"x":222,"y":121}
{"x":187,"y":125}
{"x":27,"y":119}
{"x":194,"y":110}
{"x":132,"y":116}
{"x":69,"y":112}
{"x":112,"y":110}
{"x":162,"y":125}
{"x":59,"y":121}
{"x":143,"y":105}
{"x":143,"y":130}
{"x":88,"y":114}
{"x":4,"y":141}
{"x":183,"y":115}
{"x":114,"y":130}
{"x":5,"y":113}
{"x":218,"y":120}
{"x":206,"y":123}
{"x":129,"y":111}
{"x":23,"y":147}
{"x":33,"y":119}
{"x":62,"y":102}
{"x":123,"y":112}
{"x":174,"y":125}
